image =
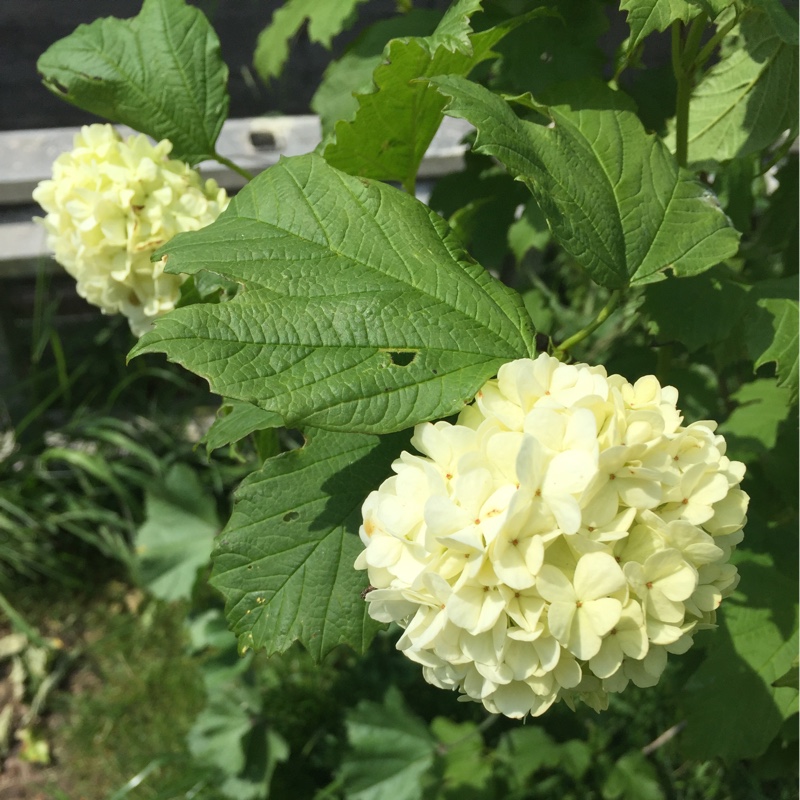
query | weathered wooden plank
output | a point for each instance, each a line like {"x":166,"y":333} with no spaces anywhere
{"x":255,"y":144}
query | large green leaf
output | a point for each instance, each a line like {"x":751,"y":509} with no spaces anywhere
{"x":782,"y":21}
{"x":613,"y":195}
{"x":752,"y":428}
{"x":160,"y":72}
{"x":749,"y":98}
{"x":732,"y":708}
{"x":646,"y":16}
{"x":390,"y":751}
{"x":177,"y":535}
{"x":361,"y":310}
{"x":335,"y":97}
{"x":771,"y":329}
{"x":396,"y":122}
{"x":285,"y":560}
{"x":325,"y":20}
{"x":231,"y":734}
{"x":776,"y":326}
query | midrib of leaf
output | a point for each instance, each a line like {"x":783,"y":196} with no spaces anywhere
{"x":747,"y":87}
{"x":132,"y":85}
{"x":610,"y":184}
{"x":378,"y":392}
{"x":591,"y":220}
{"x":194,"y":337}
{"x":384,"y":277}
{"x":182,"y":72}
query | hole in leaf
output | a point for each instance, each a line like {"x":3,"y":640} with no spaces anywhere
{"x":262,"y":140}
{"x":402,"y":358}
{"x":291,"y":516}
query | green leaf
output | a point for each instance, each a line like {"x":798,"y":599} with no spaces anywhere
{"x":325,"y":20}
{"x":210,"y":630}
{"x":177,"y":535}
{"x":632,"y":778}
{"x":390,"y":751}
{"x":694,"y":327}
{"x":612,"y":194}
{"x":361,"y":310}
{"x":160,"y":72}
{"x":575,"y":758}
{"x":646,"y":16}
{"x":715,"y":7}
{"x":285,"y":560}
{"x":235,"y":420}
{"x":784,"y":23}
{"x":264,"y":750}
{"x":231,"y":735}
{"x":550,"y":50}
{"x":217,"y":733}
{"x":748,"y":99}
{"x":732,"y":708}
{"x":529,"y":232}
{"x":352,"y":73}
{"x":791,"y":678}
{"x":525,"y":751}
{"x":773,"y":337}
{"x":395,"y":123}
{"x":752,"y":428}
{"x":461,"y":747}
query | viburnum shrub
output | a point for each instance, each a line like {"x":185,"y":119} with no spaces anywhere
{"x":540,"y":527}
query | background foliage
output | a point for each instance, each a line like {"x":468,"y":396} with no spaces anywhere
{"x":644,"y":217}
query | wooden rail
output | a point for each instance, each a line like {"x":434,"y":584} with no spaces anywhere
{"x":26,"y":158}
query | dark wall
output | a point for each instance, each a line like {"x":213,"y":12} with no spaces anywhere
{"x":29,"y":27}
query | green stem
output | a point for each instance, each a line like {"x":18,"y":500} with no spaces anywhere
{"x":685,"y":62}
{"x":712,"y":44}
{"x":693,"y":43}
{"x":248,"y":176}
{"x":605,"y":313}
{"x":684,"y":95}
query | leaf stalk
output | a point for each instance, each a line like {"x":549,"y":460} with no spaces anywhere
{"x":248,"y":176}
{"x":605,"y":312}
{"x":685,"y":62}
{"x":712,"y":44}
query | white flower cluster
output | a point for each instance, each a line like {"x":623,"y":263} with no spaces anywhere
{"x":110,"y":205}
{"x":558,"y":541}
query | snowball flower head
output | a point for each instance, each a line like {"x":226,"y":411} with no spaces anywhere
{"x":557,"y":541}
{"x":110,"y":205}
